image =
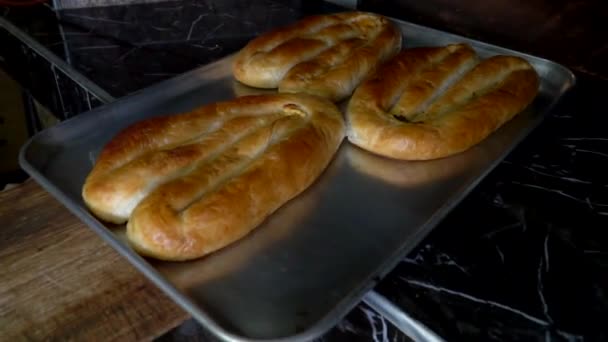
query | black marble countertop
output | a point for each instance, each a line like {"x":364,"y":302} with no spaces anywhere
{"x":523,"y":258}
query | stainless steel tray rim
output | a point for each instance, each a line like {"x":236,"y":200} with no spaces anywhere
{"x":341,"y":307}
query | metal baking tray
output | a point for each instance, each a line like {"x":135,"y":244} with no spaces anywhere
{"x":313,"y":260}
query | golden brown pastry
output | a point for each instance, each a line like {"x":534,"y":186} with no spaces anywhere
{"x":429,"y":103}
{"x":284,"y":223}
{"x":193,"y":183}
{"x":323,"y":55}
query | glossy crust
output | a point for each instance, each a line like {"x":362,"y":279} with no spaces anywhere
{"x":193,"y":183}
{"x":284,"y":223}
{"x":324,"y":55}
{"x":429,"y":103}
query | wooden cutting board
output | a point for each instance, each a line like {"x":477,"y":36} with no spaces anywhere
{"x":60,"y":281}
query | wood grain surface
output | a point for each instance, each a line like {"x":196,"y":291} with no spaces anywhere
{"x":60,"y":281}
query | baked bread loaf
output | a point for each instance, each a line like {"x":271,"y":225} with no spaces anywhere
{"x":287,"y":221}
{"x":323,"y":55}
{"x":192,"y":183}
{"x":429,"y":103}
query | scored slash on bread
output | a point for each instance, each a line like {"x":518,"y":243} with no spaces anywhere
{"x":192,"y":183}
{"x":323,"y":55}
{"x":433,"y":102}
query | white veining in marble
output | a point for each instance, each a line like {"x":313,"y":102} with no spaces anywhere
{"x":520,"y":313}
{"x":533,"y":168}
{"x":584,"y":139}
{"x":194,"y":22}
{"x":562,"y":193}
{"x":540,"y":289}
{"x":380,"y":335}
{"x":547,"y":323}
{"x":96,"y":47}
{"x":591,"y":152}
{"x":500,"y":229}
{"x":500,"y":254}
{"x":86,"y":17}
